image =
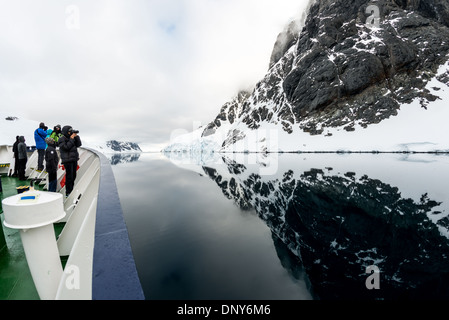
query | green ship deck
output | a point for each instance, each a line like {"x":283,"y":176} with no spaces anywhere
{"x":16,"y":282}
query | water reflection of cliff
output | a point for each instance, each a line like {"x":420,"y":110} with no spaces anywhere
{"x":336,"y":224}
{"x":120,"y":158}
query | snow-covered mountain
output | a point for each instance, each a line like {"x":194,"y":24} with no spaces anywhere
{"x":114,"y":146}
{"x":361,"y":75}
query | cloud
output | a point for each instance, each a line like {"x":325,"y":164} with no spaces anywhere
{"x":134,"y":70}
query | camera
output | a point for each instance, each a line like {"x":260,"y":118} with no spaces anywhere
{"x":75,"y":131}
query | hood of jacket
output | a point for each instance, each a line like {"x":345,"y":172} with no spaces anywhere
{"x":65,"y":131}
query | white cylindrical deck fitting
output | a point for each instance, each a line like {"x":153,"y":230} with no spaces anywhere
{"x":34,"y":213}
{"x":43,"y":260}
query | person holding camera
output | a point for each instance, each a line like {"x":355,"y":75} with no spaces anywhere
{"x":69,"y":143}
{"x":51,"y":164}
{"x":40,"y":134}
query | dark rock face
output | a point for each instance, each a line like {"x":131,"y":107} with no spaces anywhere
{"x":230,"y":112}
{"x":348,"y":65}
{"x":339,"y":71}
{"x":285,"y":41}
{"x":335,"y":225}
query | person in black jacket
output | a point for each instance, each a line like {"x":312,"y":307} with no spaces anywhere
{"x":15,"y":150}
{"x":68,"y":147}
{"x":51,"y":164}
{"x":23,"y":157}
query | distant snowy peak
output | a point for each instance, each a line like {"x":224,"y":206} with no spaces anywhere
{"x":114,"y":146}
{"x":123,"y":146}
{"x":342,"y":83}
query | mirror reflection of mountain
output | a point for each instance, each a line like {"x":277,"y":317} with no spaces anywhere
{"x":119,"y":158}
{"x":340,"y":214}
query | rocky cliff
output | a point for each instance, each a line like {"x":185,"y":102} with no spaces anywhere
{"x":350,"y":65}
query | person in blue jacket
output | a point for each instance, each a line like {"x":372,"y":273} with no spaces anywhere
{"x":39,"y":136}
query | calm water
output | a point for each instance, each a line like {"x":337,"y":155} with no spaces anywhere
{"x":290,"y":227}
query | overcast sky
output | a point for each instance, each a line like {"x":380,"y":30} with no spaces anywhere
{"x":133,"y":70}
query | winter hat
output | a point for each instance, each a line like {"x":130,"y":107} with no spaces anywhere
{"x":50,"y":141}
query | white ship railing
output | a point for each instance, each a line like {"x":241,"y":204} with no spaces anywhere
{"x":86,"y":240}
